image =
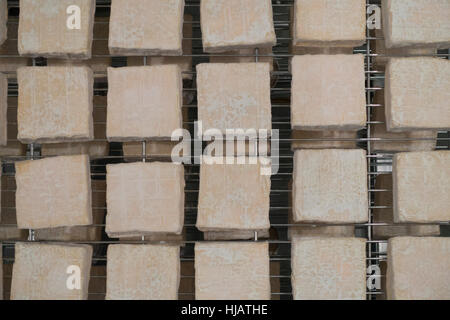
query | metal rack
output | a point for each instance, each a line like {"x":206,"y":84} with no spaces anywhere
{"x":279,"y":208}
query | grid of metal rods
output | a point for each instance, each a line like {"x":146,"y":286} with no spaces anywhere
{"x":377,"y":163}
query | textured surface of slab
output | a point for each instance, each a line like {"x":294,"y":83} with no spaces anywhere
{"x":421,"y":186}
{"x":144,"y":198}
{"x":44,"y":31}
{"x":330,"y":186}
{"x":146,"y":27}
{"x":414,"y":140}
{"x":40,"y":271}
{"x":416,"y":23}
{"x":234,"y":95}
{"x":143,"y":272}
{"x":81,"y":233}
{"x":235,"y":24}
{"x":55,"y":104}
{"x":144,"y":102}
{"x":328,"y":92}
{"x":53,"y":192}
{"x":232,"y":271}
{"x":384,"y":214}
{"x":329,"y":269}
{"x":323,"y":23}
{"x":311,"y":230}
{"x":233,"y":197}
{"x":184,"y":62}
{"x":97,"y":148}
{"x":418,"y":268}
{"x":100,"y":51}
{"x":417,"y":92}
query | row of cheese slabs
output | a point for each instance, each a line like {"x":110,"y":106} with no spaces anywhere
{"x":155,"y":27}
{"x":322,"y":268}
{"x":144,"y":103}
{"x":329,"y":186}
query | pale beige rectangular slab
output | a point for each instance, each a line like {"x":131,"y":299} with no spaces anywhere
{"x":417,"y":92}
{"x":324,"y":23}
{"x":53,"y":192}
{"x":302,"y":50}
{"x":232,"y":271}
{"x":143,"y":272}
{"x":383,"y":213}
{"x":312,"y":230}
{"x":144,"y":198}
{"x":40,"y":271}
{"x":418,"y":268}
{"x":55,"y":104}
{"x":416,"y":23}
{"x":184,"y":62}
{"x":98,"y":148}
{"x":234,"y":96}
{"x":144,"y":102}
{"x":330,"y":186}
{"x":3,"y":110}
{"x":100,"y":59}
{"x":329,"y":269}
{"x":139,"y":28}
{"x":405,"y":141}
{"x":233,"y":197}
{"x":235,"y":24}
{"x":44,"y":31}
{"x":328,"y":92}
{"x":81,"y":233}
{"x":421,"y":186}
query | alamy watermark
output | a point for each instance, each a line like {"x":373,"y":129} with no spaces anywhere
{"x":73,"y":281}
{"x":73,"y":21}
{"x":373,"y":17}
{"x":253,"y":146}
